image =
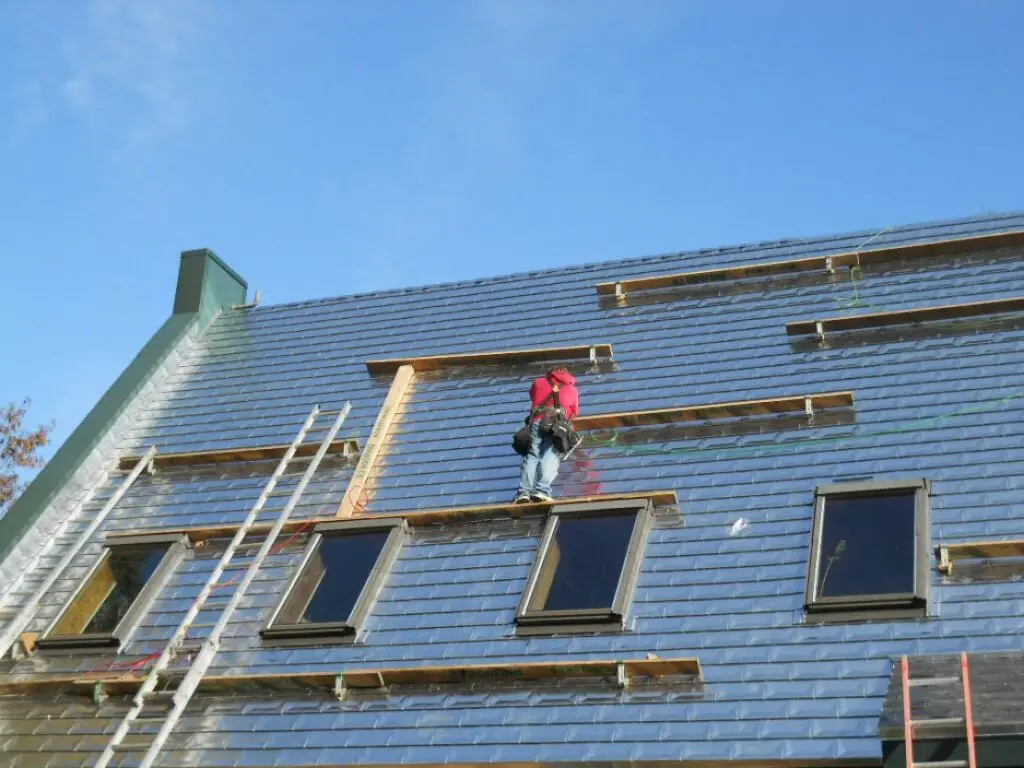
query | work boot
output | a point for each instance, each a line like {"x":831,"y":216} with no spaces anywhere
{"x":538,"y":496}
{"x":521,"y":498}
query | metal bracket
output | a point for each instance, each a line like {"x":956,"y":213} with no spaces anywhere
{"x":620,"y":295}
{"x":809,"y":409}
{"x":99,"y":693}
{"x":945,"y":564}
{"x":819,"y":329}
{"x":254,"y":303}
{"x":340,"y":689}
{"x":621,"y":676}
{"x":830,"y":266}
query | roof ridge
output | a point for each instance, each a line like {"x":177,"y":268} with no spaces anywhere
{"x":762,"y":245}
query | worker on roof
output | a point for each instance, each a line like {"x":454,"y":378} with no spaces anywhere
{"x":555,"y":402}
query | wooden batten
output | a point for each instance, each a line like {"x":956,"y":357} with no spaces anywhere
{"x":550,"y":670}
{"x":904,"y":316}
{"x":659,"y":498}
{"x":348,"y":446}
{"x":84,"y":684}
{"x":119,"y":683}
{"x":713,"y":411}
{"x":978,"y":550}
{"x":454,"y":514}
{"x":356,"y":494}
{"x":823,"y":263}
{"x":506,"y":357}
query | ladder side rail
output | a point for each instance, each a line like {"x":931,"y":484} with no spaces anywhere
{"x":169,"y":651}
{"x":197,"y":669}
{"x":17,"y":625}
{"x":214,"y":578}
{"x":965,"y":675}
{"x":908,"y":727}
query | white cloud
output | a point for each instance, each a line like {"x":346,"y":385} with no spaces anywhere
{"x":130,"y":66}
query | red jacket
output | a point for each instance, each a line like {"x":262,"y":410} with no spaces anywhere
{"x":568,"y":395}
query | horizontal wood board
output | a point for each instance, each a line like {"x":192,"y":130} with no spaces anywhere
{"x":507,"y":357}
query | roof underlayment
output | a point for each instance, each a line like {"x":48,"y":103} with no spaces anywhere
{"x":943,"y":401}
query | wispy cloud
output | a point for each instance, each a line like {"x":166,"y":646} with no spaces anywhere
{"x":130,"y":68}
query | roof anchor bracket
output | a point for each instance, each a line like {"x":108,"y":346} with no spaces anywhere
{"x":340,"y":689}
{"x":809,"y":409}
{"x":945,"y":564}
{"x":819,"y":330}
{"x":621,"y":675}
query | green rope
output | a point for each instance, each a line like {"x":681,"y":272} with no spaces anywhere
{"x":856,"y":274}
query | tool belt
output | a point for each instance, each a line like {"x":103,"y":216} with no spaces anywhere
{"x":553,"y":423}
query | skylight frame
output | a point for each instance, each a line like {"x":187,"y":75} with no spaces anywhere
{"x":534,"y":621}
{"x":867,"y":606}
{"x":316,"y":633}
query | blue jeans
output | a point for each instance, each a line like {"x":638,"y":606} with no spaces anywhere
{"x":542,"y":456}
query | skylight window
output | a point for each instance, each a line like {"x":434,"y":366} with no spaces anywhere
{"x":115,"y":594}
{"x":586,"y":568}
{"x":340,"y":574}
{"x":869,"y":550}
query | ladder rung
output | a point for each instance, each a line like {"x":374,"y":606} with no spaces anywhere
{"x":937,"y":722}
{"x":934,"y":681}
{"x":134,"y":745}
{"x":942,"y":764}
{"x":215,"y":604}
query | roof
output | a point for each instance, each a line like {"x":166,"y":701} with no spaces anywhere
{"x":943,"y":402}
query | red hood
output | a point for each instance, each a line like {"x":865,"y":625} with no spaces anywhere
{"x":564,"y":378}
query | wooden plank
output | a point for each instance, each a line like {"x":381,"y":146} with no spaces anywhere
{"x":376,"y":444}
{"x":737,"y":272}
{"x":904,"y":316}
{"x":659,"y":498}
{"x":120,"y":683}
{"x":981,"y":550}
{"x":113,"y":682}
{"x":544,"y":670}
{"x":663,"y":667}
{"x":454,"y":514}
{"x":348,"y":445}
{"x":711,"y":411}
{"x":848,"y":259}
{"x":931,"y":250}
{"x":507,"y":357}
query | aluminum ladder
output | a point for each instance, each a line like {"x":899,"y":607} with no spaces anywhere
{"x":180,"y":696}
{"x":27,"y":612}
{"x":909,"y":725}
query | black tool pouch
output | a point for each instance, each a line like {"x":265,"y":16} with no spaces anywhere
{"x":563,"y":436}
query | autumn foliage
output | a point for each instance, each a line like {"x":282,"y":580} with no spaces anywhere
{"x":18,"y":450}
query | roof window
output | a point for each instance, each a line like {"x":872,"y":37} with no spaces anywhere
{"x":586,"y":568}
{"x":340,"y":574}
{"x":115,"y":594}
{"x":869,"y":551}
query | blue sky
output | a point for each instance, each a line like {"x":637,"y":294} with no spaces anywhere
{"x":329,"y":147}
